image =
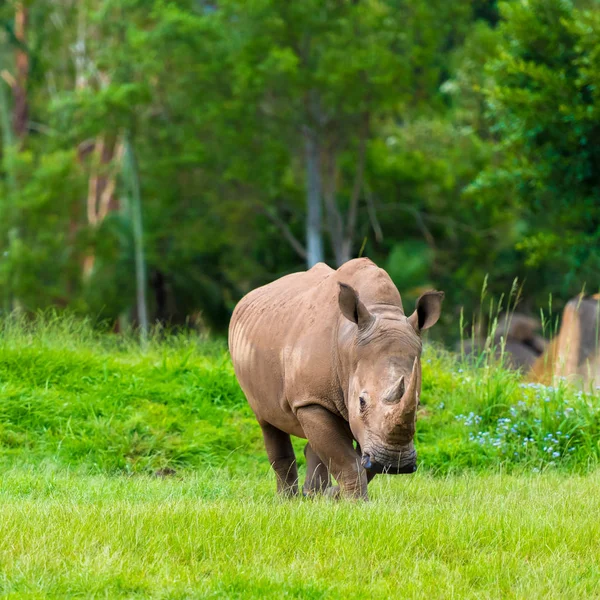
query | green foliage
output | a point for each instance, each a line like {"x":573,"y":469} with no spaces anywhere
{"x":465,"y":132}
{"x":76,"y":397}
{"x":543,"y":104}
{"x":409,"y":265}
{"x":36,"y":265}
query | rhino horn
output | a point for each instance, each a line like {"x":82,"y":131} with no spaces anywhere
{"x":409,"y":400}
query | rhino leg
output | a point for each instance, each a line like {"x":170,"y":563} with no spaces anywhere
{"x":282,"y":458}
{"x":317,"y":474}
{"x":370,"y":474}
{"x":330,"y":437}
{"x":334,"y":491}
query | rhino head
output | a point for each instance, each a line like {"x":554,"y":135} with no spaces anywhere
{"x":383,"y":351}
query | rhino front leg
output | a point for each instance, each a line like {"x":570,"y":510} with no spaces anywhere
{"x":330,"y":438}
{"x":317,"y":473}
{"x":370,"y":474}
{"x":282,"y":458}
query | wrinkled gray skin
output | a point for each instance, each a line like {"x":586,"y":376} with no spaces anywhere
{"x":330,"y":356}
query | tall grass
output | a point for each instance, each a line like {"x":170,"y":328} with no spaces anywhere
{"x":72,"y":395}
{"x":78,"y":397}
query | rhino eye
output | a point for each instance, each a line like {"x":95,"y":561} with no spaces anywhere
{"x":362,"y":402}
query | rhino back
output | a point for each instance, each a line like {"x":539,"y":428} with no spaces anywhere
{"x":276,"y":335}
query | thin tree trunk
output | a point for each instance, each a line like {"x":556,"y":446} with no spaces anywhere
{"x":14,"y":130}
{"x":138,"y":238}
{"x":346,"y":253}
{"x":314,"y":240}
{"x":8,"y":167}
{"x":334,"y":218}
{"x":21,"y":108}
{"x":285,"y":230}
{"x":373,"y":215}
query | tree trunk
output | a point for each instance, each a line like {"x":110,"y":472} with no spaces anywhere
{"x":105,"y":161}
{"x":21,"y":108}
{"x":335,"y":222}
{"x":138,"y":239}
{"x":342,"y":233}
{"x":314,"y":239}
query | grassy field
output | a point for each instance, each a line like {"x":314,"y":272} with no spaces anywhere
{"x":505,"y":503}
{"x":211,"y":535}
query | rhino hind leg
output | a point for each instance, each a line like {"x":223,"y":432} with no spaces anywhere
{"x":317,"y":473}
{"x":282,"y":458}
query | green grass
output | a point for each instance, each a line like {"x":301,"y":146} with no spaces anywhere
{"x":505,"y":504}
{"x":214,"y":535}
{"x":75,"y":397}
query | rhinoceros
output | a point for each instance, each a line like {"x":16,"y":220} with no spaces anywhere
{"x":329,"y":356}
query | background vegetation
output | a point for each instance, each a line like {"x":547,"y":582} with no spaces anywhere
{"x":159,"y":159}
{"x":212,"y":147}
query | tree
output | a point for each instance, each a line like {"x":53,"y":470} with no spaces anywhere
{"x":321,"y":77}
{"x":544,"y":104}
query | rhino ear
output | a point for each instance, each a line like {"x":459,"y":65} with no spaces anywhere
{"x":427,"y":312}
{"x":352,"y":308}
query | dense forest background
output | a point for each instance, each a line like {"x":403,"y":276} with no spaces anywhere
{"x":161,"y":158}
